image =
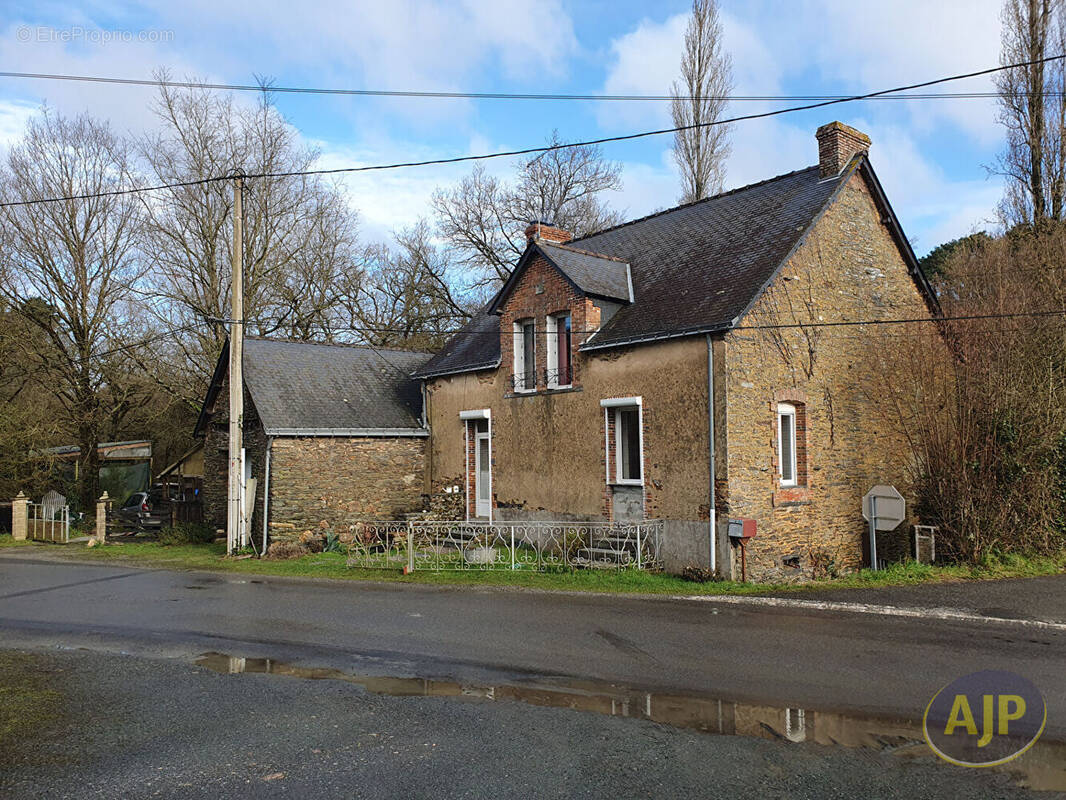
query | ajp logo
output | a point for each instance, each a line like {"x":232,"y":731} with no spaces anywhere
{"x":985,"y":718}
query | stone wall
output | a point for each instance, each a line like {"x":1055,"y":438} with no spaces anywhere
{"x":325,"y":483}
{"x":216,"y":459}
{"x":849,"y":268}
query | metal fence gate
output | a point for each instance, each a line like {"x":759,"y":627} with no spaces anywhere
{"x":47,"y":522}
{"x":534,"y":546}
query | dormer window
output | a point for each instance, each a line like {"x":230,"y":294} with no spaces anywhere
{"x":525,"y":356}
{"x":560,"y":351}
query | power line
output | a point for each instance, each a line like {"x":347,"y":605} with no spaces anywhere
{"x":769,"y":326}
{"x":140,"y":343}
{"x":549,"y":148}
{"x":266,"y":87}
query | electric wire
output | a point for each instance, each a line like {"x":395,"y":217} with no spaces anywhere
{"x":544,"y":148}
{"x":457,"y":95}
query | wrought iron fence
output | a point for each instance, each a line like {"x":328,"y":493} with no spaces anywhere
{"x":534,"y":546}
{"x":559,"y":378}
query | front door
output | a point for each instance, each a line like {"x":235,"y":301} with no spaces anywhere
{"x":482,"y":475}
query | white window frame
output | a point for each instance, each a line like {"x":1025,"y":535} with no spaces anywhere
{"x":520,"y":355}
{"x":551,"y":330}
{"x":614,"y":406}
{"x":786,"y":410}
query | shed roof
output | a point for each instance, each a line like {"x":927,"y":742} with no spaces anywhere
{"x":303,"y":388}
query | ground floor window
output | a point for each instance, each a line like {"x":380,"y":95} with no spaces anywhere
{"x":624,"y":440}
{"x":786,"y":443}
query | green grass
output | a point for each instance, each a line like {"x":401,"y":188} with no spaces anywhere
{"x":332,"y":565}
{"x":28,"y":704}
{"x":6,"y":540}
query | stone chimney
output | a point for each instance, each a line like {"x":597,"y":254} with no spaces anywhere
{"x":837,"y":145}
{"x":545,"y":230}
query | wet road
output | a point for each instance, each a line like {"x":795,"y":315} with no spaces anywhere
{"x":828,"y":663}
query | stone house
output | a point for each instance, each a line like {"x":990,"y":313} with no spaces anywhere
{"x":667,"y":369}
{"x":334,"y":433}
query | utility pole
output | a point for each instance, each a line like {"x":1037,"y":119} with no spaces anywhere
{"x":235,"y":495}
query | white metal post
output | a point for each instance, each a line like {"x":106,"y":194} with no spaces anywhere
{"x":873,"y":532}
{"x":410,"y":547}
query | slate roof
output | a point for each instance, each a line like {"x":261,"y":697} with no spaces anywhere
{"x":330,"y":389}
{"x":594,"y":274}
{"x":476,"y":346}
{"x":698,"y":267}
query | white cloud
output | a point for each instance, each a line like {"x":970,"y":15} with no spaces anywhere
{"x":928,"y":200}
{"x":871,"y":46}
{"x":125,"y":107}
{"x":13,"y":118}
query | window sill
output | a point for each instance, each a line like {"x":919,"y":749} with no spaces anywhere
{"x":546,"y":391}
{"x":630,"y":484}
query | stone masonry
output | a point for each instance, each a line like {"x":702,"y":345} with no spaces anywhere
{"x":326,"y":483}
{"x":849,"y":267}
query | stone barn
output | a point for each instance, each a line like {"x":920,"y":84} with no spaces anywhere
{"x":333,"y":435}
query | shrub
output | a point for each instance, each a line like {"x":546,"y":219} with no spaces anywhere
{"x":287,"y":549}
{"x":986,"y":418}
{"x":698,"y":574}
{"x":187,"y":533}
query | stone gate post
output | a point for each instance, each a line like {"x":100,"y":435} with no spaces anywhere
{"x":101,"y":517}
{"x":20,"y":510}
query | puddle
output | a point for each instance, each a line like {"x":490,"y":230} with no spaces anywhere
{"x":1042,"y":768}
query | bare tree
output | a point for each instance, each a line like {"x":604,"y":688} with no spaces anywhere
{"x":301,"y":243}
{"x":482,"y":219}
{"x":78,"y":257}
{"x":699,"y":99}
{"x":1033,"y":110}
{"x":407,"y":299}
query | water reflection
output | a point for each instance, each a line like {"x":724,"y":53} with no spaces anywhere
{"x":1041,"y":768}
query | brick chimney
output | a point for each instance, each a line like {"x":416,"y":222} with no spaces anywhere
{"x":545,"y":230}
{"x":837,"y":145}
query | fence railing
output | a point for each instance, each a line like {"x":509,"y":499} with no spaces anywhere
{"x":534,"y":546}
{"x":47,"y":523}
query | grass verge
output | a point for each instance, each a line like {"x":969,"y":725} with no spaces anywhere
{"x":332,"y":565}
{"x":7,"y":540}
{"x":28,"y":704}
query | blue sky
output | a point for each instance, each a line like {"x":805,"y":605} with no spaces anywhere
{"x":930,"y":155}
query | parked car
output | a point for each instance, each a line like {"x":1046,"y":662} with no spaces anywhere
{"x":144,"y":510}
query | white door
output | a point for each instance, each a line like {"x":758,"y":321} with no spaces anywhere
{"x":482,"y":475}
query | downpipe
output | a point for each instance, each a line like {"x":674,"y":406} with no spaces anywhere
{"x":712,"y":533}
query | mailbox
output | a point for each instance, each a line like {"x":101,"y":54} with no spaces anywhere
{"x":741,"y":529}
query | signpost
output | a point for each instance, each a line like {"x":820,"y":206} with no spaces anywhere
{"x":884,"y":508}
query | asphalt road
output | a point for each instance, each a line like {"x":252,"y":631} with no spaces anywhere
{"x":176,"y":728}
